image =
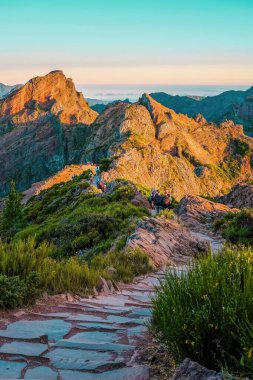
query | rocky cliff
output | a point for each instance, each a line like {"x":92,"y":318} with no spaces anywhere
{"x":42,"y":128}
{"x":154,"y":146}
{"x":229,"y":105}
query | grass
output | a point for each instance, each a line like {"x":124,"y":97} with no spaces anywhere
{"x":78,"y":221}
{"x":206,"y":313}
{"x":237,"y":228}
{"x":28,"y":268}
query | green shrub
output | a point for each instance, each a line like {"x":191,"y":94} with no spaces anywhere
{"x":206,"y":313}
{"x":15,"y":292}
{"x":168,"y":214}
{"x":241,"y":147}
{"x":26,"y":269}
{"x":127,"y":265}
{"x":237,"y":227}
{"x":104,"y":164}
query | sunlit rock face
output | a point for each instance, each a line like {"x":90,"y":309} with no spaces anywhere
{"x":154,"y":146}
{"x":42,"y":128}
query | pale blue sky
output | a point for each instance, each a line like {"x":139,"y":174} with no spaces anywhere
{"x":141,"y":41}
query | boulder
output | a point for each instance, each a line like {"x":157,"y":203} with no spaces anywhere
{"x":190,"y":370}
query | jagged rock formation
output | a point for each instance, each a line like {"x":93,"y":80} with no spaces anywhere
{"x":195,"y":211}
{"x":230,"y":105}
{"x":166,"y":242}
{"x":5,"y":90}
{"x":157,"y":147}
{"x":42,"y":128}
{"x":241,"y":196}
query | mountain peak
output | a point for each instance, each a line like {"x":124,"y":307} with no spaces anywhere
{"x":43,"y":95}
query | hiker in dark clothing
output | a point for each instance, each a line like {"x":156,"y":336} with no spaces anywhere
{"x":97,"y":170}
{"x":158,"y":201}
{"x":152,"y":198}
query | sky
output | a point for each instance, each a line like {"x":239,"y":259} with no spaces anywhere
{"x":179,"y":42}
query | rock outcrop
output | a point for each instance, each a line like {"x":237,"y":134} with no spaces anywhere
{"x":241,"y":196}
{"x":156,"y":147}
{"x":190,"y":370}
{"x":195,"y":211}
{"x":166,"y":242}
{"x":43,"y":126}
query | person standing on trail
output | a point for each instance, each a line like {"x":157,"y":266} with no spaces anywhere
{"x":152,"y":198}
{"x":97,"y":170}
{"x":158,"y":201}
{"x":167,"y":200}
{"x":91,"y":177}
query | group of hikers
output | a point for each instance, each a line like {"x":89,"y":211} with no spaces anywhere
{"x":97,"y":180}
{"x":160,"y":201}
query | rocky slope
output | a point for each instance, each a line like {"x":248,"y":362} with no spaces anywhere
{"x":42,"y":128}
{"x":5,"y":89}
{"x":230,"y":105}
{"x":241,"y":196}
{"x":156,"y":147}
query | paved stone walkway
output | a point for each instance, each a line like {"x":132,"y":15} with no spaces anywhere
{"x":94,"y":338}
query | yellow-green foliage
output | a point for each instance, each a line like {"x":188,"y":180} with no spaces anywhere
{"x":19,"y":260}
{"x":206,"y":313}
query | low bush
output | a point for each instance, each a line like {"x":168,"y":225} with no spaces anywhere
{"x":206,"y":313}
{"x":237,"y":227}
{"x":27,"y":269}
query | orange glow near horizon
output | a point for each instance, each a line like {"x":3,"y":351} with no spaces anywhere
{"x":163,"y":75}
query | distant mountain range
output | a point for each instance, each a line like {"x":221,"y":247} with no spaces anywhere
{"x":229,"y":105}
{"x":100,"y":105}
{"x":5,"y":90}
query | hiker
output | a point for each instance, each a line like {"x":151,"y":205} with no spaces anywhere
{"x":97,"y":170}
{"x":167,"y":200}
{"x":158,"y":201}
{"x":101,"y":186}
{"x":91,"y":178}
{"x":152,"y":198}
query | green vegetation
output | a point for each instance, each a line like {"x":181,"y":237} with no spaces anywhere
{"x":27,"y":269}
{"x":105,"y":164}
{"x":228,"y":169}
{"x":193,"y":160}
{"x":241,"y":147}
{"x":206,"y":313}
{"x":65,"y":239}
{"x":237,"y":227}
{"x":12,"y":215}
{"x":78,"y":221}
{"x":168,"y":214}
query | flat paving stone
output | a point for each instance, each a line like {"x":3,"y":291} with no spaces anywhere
{"x":125,"y":320}
{"x":11,"y":370}
{"x":23,"y":348}
{"x":140,"y":312}
{"x":55,"y":329}
{"x":97,"y":346}
{"x":127,"y":373}
{"x":100,"y":326}
{"x":96,"y":336}
{"x":87,"y":318}
{"x":41,"y":373}
{"x":63,"y":358}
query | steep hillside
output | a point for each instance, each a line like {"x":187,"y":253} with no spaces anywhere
{"x":5,"y":90}
{"x":230,"y":105}
{"x":42,"y":128}
{"x":156,"y":147}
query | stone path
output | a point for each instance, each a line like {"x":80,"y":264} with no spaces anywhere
{"x":89,"y":339}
